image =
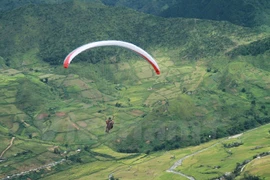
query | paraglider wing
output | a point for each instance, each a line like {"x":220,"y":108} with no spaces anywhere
{"x":127,"y":45}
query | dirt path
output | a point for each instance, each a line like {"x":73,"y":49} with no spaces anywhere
{"x":179,"y":162}
{"x":9,"y":146}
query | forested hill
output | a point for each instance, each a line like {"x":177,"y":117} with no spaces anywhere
{"x":6,"y":5}
{"x":54,"y":30}
{"x":241,"y":12}
{"x":249,"y":13}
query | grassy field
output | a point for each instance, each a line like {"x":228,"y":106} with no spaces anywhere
{"x":201,"y":166}
{"x":258,"y":167}
{"x":217,"y":160}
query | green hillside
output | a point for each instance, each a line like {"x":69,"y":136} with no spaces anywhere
{"x":6,"y":5}
{"x":207,"y":161}
{"x":214,"y":83}
{"x":250,"y":13}
{"x":195,"y":70}
{"x":86,"y":23}
{"x":241,"y":156}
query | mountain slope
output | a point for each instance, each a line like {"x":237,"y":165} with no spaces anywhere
{"x":6,"y":5}
{"x":54,"y":37}
{"x":201,"y":90}
{"x":249,"y":13}
{"x":214,"y":82}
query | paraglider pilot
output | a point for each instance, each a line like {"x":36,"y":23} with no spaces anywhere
{"x":109,"y":124}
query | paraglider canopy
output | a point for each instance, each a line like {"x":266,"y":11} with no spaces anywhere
{"x":127,"y":45}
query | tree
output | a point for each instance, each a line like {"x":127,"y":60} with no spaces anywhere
{"x":251,"y":177}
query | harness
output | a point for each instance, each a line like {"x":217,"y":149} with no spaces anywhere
{"x":109,"y":124}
